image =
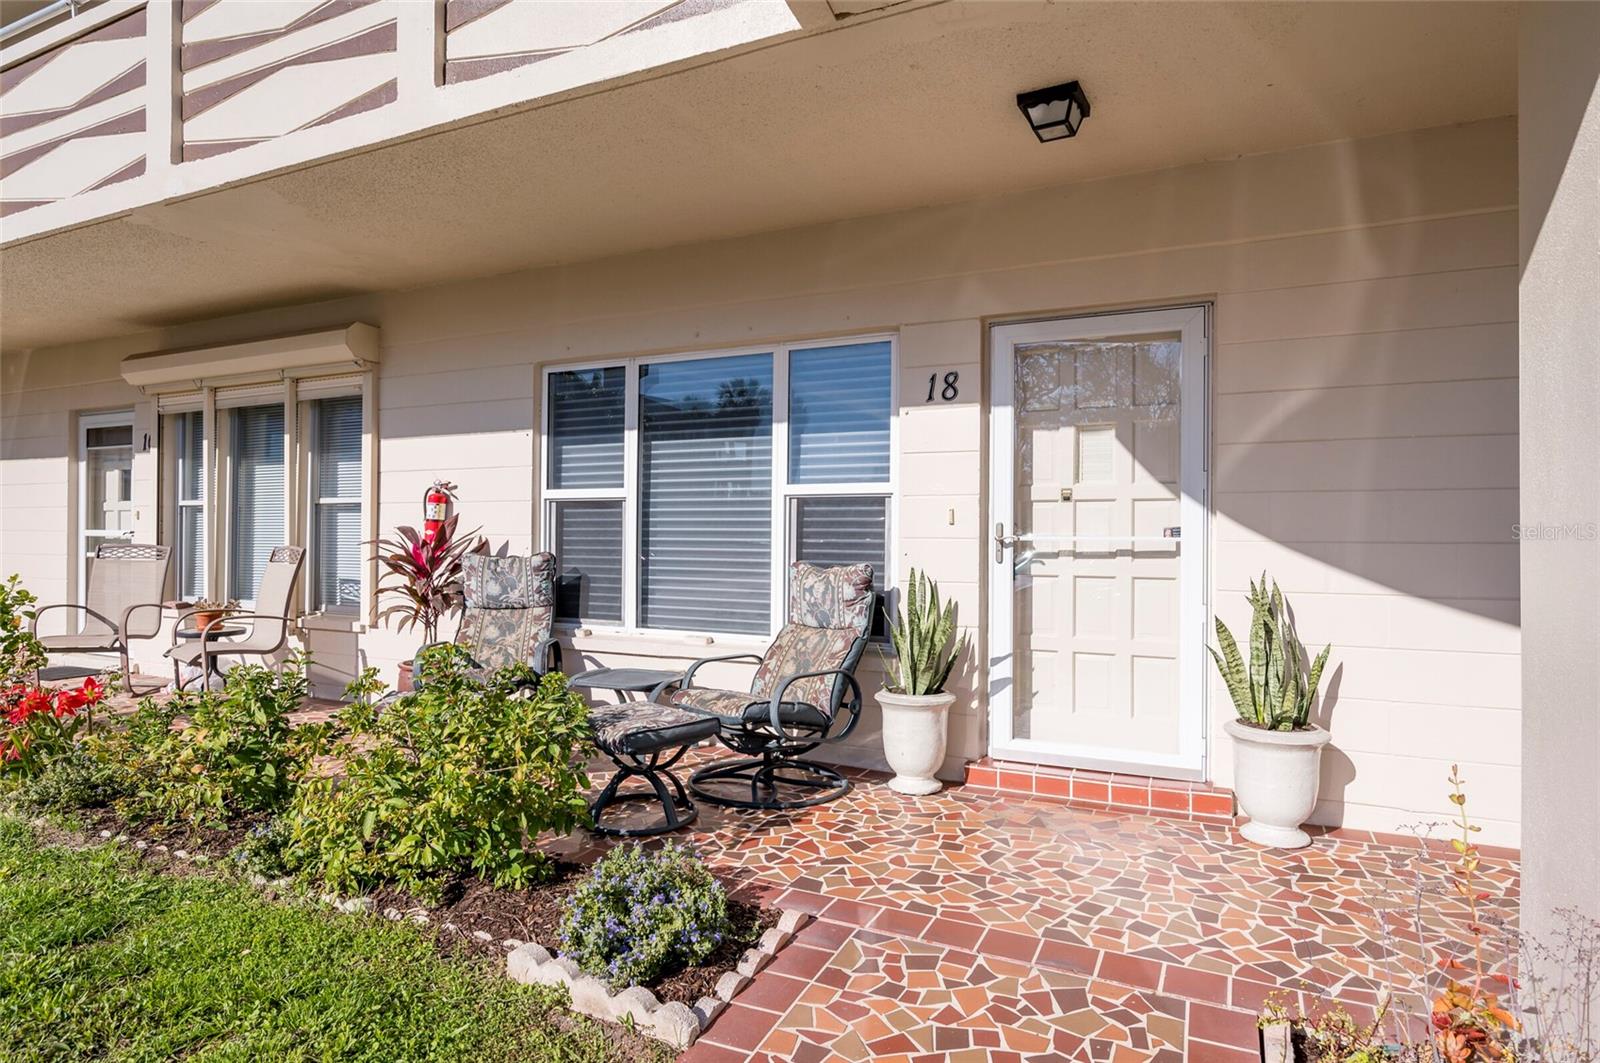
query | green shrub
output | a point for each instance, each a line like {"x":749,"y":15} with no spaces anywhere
{"x":642,"y":914}
{"x":72,"y":781}
{"x":20,"y":653}
{"x":208,"y":757}
{"x":456,"y":777}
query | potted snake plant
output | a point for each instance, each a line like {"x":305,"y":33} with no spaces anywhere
{"x":1277,"y":750}
{"x":914,"y":703}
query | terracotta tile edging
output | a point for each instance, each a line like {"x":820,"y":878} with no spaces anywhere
{"x":673,"y":1023}
{"x":1105,"y":791}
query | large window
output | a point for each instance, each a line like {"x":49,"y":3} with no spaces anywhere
{"x":678,"y":488}
{"x":278,"y":480}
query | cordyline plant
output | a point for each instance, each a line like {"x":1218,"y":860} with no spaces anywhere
{"x":924,"y":640}
{"x":1274,"y":692}
{"x":423,"y":577}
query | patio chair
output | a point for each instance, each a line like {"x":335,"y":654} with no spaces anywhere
{"x":804,"y":695}
{"x":125,"y":581}
{"x":269,"y":624}
{"x":509,"y":613}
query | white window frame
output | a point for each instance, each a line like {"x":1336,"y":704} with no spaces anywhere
{"x":783,"y":491}
{"x":297,"y":395}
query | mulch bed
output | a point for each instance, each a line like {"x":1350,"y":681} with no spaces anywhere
{"x":472,"y":920}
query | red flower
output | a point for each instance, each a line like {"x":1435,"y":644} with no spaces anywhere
{"x":92,"y":691}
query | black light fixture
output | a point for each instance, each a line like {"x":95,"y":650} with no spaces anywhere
{"x":1055,"y":113}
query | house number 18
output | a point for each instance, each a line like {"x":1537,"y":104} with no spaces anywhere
{"x":949,"y":392}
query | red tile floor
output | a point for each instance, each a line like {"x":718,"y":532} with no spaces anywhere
{"x":973,"y":926}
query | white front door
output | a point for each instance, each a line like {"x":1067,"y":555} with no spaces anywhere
{"x":1098,"y":493}
{"x":105,"y":486}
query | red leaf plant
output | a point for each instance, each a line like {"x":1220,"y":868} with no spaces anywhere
{"x":423,"y":578}
{"x":40,"y":725}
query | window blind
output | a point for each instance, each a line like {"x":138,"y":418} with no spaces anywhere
{"x":588,"y":546}
{"x":336,"y":520}
{"x":839,"y":400}
{"x":256,"y":490}
{"x":189,"y":443}
{"x":586,"y":428}
{"x":847,"y":530}
{"x":705,"y":512}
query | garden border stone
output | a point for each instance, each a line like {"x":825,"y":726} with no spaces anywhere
{"x":674,"y":1023}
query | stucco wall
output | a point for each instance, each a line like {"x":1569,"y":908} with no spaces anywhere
{"x":1559,"y":317}
{"x":1364,"y":409}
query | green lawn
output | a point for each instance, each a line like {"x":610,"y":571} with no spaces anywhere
{"x":100,"y":960}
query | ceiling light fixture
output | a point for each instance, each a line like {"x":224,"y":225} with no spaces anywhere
{"x":1055,"y":113}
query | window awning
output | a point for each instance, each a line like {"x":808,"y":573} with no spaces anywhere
{"x":304,"y":354}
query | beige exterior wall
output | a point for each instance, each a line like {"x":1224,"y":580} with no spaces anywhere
{"x":1364,"y":411}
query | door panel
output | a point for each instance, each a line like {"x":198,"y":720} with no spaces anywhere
{"x":1090,"y":663}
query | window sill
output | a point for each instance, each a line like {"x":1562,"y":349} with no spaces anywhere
{"x":656,"y":644}
{"x":346,"y":623}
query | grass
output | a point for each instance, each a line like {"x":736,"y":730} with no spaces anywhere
{"x":102,"y":960}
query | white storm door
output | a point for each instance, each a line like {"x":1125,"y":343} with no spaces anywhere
{"x":1098,"y":497}
{"x":105,"y":486}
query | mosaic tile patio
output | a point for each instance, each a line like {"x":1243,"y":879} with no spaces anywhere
{"x":1174,"y":930}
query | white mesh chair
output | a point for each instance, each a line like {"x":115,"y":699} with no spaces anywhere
{"x":269,"y":626}
{"x":122,"y":603}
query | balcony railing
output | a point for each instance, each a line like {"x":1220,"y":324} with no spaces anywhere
{"x":108,"y":105}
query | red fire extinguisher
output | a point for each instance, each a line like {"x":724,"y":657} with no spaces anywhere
{"x":435,"y":507}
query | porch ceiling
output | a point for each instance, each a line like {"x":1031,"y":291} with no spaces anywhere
{"x":874,"y":114}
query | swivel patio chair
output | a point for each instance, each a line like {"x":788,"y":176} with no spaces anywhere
{"x":804,"y":695}
{"x":269,"y":626}
{"x":125,"y":582}
{"x":509,"y":614}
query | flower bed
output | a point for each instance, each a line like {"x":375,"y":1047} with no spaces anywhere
{"x":427,"y":808}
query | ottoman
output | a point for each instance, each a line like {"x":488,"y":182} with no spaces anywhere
{"x":645,"y":739}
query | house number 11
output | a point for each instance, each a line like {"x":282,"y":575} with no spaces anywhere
{"x":949,"y":392}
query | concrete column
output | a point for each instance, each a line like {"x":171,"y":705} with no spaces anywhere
{"x":1559,"y":388}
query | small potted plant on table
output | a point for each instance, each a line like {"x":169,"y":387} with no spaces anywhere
{"x":1277,"y":750}
{"x":914,"y":703}
{"x":423,"y":580}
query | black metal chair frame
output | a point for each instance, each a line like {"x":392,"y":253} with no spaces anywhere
{"x":772,"y":755}
{"x":676,"y":807}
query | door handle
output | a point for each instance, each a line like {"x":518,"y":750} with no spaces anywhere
{"x":1002,"y":542}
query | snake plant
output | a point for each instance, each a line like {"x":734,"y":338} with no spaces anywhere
{"x":1275,"y":692}
{"x":924,"y":640}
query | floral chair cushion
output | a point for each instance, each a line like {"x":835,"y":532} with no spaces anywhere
{"x":643,"y":727}
{"x":838,"y":597}
{"x":510,"y":608}
{"x":740,"y":707}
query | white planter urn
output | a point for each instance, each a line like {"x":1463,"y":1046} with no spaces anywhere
{"x":914,"y":732}
{"x":1275,"y":777}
